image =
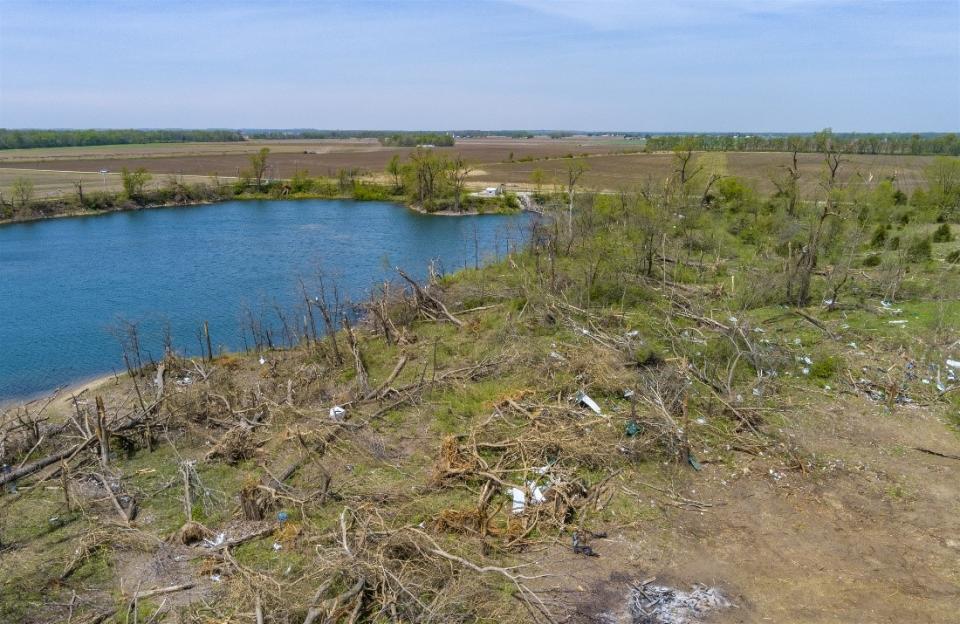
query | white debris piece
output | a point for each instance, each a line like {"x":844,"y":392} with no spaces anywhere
{"x":277,"y":546}
{"x":585,"y":400}
{"x":337,"y":413}
{"x":897,"y":322}
{"x":219,"y":539}
{"x":519,"y":499}
{"x":263,"y":360}
{"x":519,"y":496}
{"x":536,"y":492}
{"x":953,"y":363}
{"x":633,"y":333}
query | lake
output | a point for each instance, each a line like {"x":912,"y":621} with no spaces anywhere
{"x":66,"y":285}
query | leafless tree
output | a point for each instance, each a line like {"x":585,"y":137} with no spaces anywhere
{"x":575,"y":170}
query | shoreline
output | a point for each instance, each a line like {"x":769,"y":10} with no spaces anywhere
{"x":74,"y":388}
{"x":409,"y":206}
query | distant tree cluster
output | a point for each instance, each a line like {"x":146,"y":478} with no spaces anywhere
{"x":306,"y":133}
{"x":413,"y":139}
{"x":850,"y":143}
{"x":14,"y":139}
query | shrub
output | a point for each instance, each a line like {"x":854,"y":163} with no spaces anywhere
{"x":954,"y":257}
{"x":943,"y":234}
{"x":872,"y":260}
{"x":920,"y":249}
{"x":371,"y":192}
{"x":825,"y":368}
{"x":894,"y":243}
{"x":879,"y":238}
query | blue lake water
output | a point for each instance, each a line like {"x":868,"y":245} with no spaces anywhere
{"x":66,"y":284}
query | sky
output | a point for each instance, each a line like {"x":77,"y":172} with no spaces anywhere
{"x":641,"y":65}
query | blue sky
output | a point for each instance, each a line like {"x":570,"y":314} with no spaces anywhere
{"x":691,"y":65}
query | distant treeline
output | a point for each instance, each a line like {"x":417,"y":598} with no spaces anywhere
{"x":308,"y":133}
{"x":896,"y":143}
{"x":386,"y":137}
{"x":14,"y":139}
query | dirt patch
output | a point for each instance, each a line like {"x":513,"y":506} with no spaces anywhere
{"x":869,"y":536}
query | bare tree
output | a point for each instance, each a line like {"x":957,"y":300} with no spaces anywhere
{"x":798,"y":284}
{"x":575,"y":170}
{"x":683,"y":168}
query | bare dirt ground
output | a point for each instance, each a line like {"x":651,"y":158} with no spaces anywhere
{"x":871,"y":535}
{"x":618,"y":171}
{"x":317,"y":157}
{"x":495,"y":161}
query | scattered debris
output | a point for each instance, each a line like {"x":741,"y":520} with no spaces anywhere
{"x":520,"y":498}
{"x":580,"y":548}
{"x":657,"y":604}
{"x":583,"y":399}
{"x":337,"y":413}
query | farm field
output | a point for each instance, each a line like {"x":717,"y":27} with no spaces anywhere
{"x":612,"y":165}
{"x":47,"y":183}
{"x":617,"y":171}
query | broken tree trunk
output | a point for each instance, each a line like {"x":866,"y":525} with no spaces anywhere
{"x":425,"y":299}
{"x":125,"y":514}
{"x":40,"y":464}
{"x":68,"y":453}
{"x":362,"y":377}
{"x":187,"y":494}
{"x":103,"y":434}
{"x":389,"y":380}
